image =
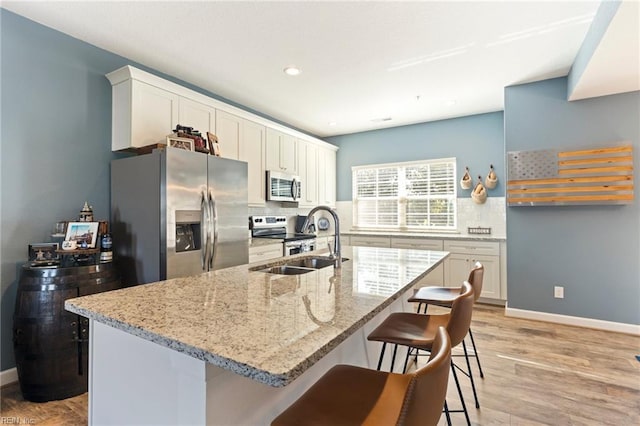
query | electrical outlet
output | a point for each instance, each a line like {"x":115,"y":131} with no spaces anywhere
{"x":558,"y":292}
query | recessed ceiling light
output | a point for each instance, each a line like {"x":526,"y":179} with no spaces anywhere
{"x":450,"y":102}
{"x":332,"y":123}
{"x":380,"y":120}
{"x":292,"y":70}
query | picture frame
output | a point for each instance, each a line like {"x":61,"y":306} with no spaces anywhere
{"x":180,"y":143}
{"x":83,"y":231}
{"x":43,"y":253}
{"x":214,"y":146}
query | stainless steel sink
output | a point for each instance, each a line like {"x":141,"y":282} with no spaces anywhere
{"x":286,"y":270}
{"x":299,"y":266}
{"x":313,"y":262}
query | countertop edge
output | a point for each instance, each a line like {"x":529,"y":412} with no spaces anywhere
{"x":262,"y":376}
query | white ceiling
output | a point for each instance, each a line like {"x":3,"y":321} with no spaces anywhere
{"x":360,"y":61}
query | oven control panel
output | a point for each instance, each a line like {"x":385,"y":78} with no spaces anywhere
{"x":267,"y":221}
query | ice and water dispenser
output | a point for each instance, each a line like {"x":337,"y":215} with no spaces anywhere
{"x":188,"y":230}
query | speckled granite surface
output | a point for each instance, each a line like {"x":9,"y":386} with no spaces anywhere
{"x":268,"y":327}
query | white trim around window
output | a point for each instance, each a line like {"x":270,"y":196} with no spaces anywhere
{"x":413,"y":195}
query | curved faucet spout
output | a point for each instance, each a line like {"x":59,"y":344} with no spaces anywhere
{"x":336,"y":241}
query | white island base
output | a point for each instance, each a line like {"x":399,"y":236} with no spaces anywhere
{"x":133,"y":381}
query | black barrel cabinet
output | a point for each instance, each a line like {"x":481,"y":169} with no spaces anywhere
{"x":51,"y":345}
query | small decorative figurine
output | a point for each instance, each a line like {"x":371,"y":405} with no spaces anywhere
{"x":86,"y":214}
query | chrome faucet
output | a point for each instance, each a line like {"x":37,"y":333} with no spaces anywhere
{"x":336,"y":241}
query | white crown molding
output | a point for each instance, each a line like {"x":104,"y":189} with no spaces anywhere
{"x":597,"y":324}
{"x":128,"y":72}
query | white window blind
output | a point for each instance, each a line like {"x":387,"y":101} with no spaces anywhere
{"x":412,"y":195}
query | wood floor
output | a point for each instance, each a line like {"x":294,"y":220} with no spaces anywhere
{"x":536,"y":373}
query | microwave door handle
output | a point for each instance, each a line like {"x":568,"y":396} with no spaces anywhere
{"x":294,"y":189}
{"x":214,"y":230}
{"x":204,"y":231}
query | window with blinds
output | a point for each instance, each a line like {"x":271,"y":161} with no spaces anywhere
{"x":412,"y":195}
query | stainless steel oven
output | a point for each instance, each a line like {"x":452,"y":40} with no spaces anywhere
{"x":275,"y":227}
{"x":299,"y":246}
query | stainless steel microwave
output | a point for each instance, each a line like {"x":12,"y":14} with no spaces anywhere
{"x":282,"y":186}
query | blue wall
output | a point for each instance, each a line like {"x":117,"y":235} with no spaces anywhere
{"x":55,"y":141}
{"x":476,"y":141}
{"x":593,"y":251}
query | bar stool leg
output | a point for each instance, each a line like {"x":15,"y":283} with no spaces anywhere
{"x":473,"y":384}
{"x":384,"y":345}
{"x":475,"y":352}
{"x":464,"y":406}
{"x":393,"y":358}
{"x":446,"y":413}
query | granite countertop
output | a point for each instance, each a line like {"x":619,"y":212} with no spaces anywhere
{"x":268,"y":327}
{"x":437,"y":235}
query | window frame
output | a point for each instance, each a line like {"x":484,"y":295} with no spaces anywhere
{"x":401,"y":197}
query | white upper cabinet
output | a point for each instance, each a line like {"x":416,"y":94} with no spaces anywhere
{"x":252,"y":150}
{"x":281,"y":151}
{"x":142,"y":115}
{"x":146,"y":108}
{"x":308,"y":172}
{"x":228,"y":129}
{"x":327,"y":177}
{"x":199,"y":116}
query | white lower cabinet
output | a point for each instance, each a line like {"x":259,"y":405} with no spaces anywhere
{"x":266,"y":252}
{"x":433,"y":278}
{"x":455,"y":269}
{"x":464,"y":254}
{"x":370,"y":241}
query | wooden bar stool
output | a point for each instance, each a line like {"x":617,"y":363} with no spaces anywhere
{"x":418,"y":331}
{"x":444,"y":296}
{"x":349,"y":395}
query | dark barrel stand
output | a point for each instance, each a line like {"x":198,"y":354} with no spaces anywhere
{"x":51,"y":345}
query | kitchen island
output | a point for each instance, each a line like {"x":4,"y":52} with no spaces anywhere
{"x":237,"y":345}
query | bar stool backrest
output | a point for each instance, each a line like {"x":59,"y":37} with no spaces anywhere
{"x":475,"y":279}
{"x":460,"y":314}
{"x":425,"y":397}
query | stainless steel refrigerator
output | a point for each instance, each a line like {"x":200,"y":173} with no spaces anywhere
{"x":176,"y":213}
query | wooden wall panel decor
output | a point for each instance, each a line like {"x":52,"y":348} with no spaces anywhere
{"x":583,"y":177}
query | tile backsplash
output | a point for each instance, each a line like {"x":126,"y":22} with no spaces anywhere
{"x":491,"y":214}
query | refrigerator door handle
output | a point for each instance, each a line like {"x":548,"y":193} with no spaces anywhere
{"x":214,"y":230}
{"x":204,"y":231}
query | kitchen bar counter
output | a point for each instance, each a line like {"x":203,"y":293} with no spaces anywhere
{"x":246,"y":327}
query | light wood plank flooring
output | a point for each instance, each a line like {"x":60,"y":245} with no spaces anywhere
{"x":536,"y":373}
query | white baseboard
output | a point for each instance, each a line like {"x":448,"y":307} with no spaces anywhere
{"x":617,"y":327}
{"x":8,"y":376}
